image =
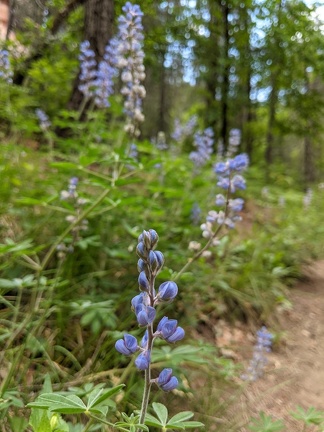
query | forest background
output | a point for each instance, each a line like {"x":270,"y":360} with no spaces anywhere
{"x":249,"y":72}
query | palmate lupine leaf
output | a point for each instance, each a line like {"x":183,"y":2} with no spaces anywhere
{"x":72,"y":404}
{"x":179,"y":421}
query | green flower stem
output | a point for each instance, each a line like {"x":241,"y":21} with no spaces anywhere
{"x":83,"y":215}
{"x":146,"y":395}
{"x":150,"y":341}
{"x":202,"y":250}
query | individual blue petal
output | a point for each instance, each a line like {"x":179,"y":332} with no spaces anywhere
{"x":220,"y":200}
{"x":146,"y":315}
{"x":171,"y":385}
{"x":161,"y":323}
{"x":120,"y":347}
{"x":143,"y":360}
{"x":165,"y":376}
{"x":141,"y":250}
{"x":137,"y":301}
{"x":169,"y":328}
{"x":220,"y":168}
{"x":168,"y":291}
{"x":223,"y":182}
{"x":143,"y":282}
{"x":177,"y":335}
{"x":130,"y":342}
{"x":166,"y":381}
{"x":144,"y":340}
{"x":126,"y":346}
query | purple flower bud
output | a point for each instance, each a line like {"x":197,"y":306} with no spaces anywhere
{"x":152,"y":259}
{"x":220,"y":200}
{"x":141,"y":265}
{"x":144,"y":340}
{"x":236,"y":204}
{"x":137,"y":302}
{"x":220,"y":168}
{"x":169,"y":330}
{"x":127,"y":346}
{"x":223,"y":182}
{"x":141,"y":250}
{"x":237,"y":182}
{"x":160,"y":259}
{"x":166,"y":381}
{"x":146,"y":239}
{"x":167,"y":291}
{"x":240,"y":162}
{"x":156,"y":261}
{"x":144,"y":284}
{"x":143,"y":360}
{"x":154,"y":238}
{"x":145,"y":315}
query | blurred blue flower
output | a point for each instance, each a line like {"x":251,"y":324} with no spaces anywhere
{"x":5,"y":67}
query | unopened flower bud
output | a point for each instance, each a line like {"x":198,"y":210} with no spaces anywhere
{"x":141,"y":250}
{"x":168,"y":291}
{"x":143,"y":283}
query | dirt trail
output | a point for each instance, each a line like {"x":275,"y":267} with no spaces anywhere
{"x":295,"y":373}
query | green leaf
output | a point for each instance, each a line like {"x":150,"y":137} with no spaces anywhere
{"x":97,"y":396}
{"x":180,"y":417}
{"x":161,"y":411}
{"x":7,"y":283}
{"x":62,"y":404}
{"x":39,"y":421}
{"x":152,"y":421}
{"x":191,"y":424}
{"x":65,"y":165}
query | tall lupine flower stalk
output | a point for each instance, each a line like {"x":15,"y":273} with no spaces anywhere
{"x":44,"y":122}
{"x":144,"y":306}
{"x":130,"y":58}
{"x":181,"y":132}
{"x":259,"y":358}
{"x":234,"y":142}
{"x":204,"y":144}
{"x":71,"y":195}
{"x":107,"y":70}
{"x":88,"y":72}
{"x":229,"y":176}
{"x":5,"y":67}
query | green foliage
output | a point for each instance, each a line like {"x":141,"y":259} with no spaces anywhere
{"x":266,"y":424}
{"x":179,"y":421}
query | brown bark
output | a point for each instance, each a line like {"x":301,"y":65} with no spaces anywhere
{"x":271,"y":122}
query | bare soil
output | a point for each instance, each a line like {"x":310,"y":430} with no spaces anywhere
{"x":295,"y":373}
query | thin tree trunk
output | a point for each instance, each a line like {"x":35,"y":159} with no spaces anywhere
{"x":271,"y":122}
{"x":12,"y":6}
{"x":162,"y":107}
{"x":309,"y":169}
{"x":225,"y":81}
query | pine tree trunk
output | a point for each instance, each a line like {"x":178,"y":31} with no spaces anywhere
{"x":98,"y":30}
{"x":225,"y":81}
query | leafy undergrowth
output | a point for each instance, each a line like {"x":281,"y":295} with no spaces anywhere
{"x":62,"y":312}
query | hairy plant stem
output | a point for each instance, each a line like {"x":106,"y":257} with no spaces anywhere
{"x":83,"y":215}
{"x":202,"y":250}
{"x":150,"y":340}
